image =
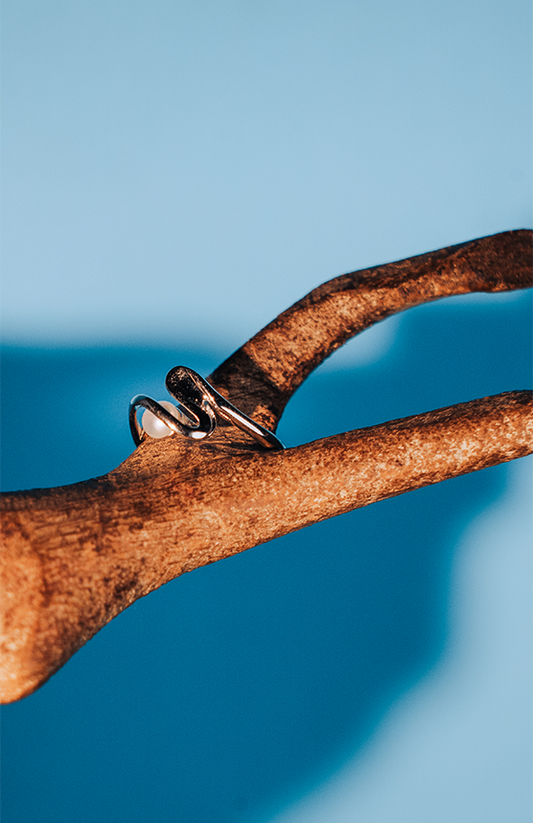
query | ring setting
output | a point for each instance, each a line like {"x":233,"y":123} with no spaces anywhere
{"x":199,"y":410}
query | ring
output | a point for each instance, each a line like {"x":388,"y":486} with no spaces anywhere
{"x":197,"y":415}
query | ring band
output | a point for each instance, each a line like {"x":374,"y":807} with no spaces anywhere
{"x":200,"y":406}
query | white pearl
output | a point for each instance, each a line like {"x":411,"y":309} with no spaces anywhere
{"x":155,"y":427}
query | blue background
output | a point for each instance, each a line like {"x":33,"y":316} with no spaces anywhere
{"x":175,"y":175}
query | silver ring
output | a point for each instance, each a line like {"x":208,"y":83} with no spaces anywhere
{"x":199,"y":408}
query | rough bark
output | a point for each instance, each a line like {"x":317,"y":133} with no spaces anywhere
{"x":75,"y":556}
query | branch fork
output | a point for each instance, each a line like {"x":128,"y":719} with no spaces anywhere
{"x":75,"y":556}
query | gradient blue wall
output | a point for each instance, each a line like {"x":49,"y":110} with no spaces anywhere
{"x":175,"y":174}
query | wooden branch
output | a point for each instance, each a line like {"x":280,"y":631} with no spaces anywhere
{"x":75,"y":556}
{"x":263,"y":375}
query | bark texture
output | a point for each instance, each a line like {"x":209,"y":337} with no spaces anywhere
{"x":75,"y":556}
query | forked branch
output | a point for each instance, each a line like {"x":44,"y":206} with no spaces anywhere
{"x":75,"y":556}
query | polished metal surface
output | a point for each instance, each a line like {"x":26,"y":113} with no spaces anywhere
{"x":199,"y":407}
{"x":185,"y":423}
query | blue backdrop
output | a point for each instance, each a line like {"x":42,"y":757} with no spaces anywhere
{"x":175,"y":174}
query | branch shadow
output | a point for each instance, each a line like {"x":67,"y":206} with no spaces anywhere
{"x":241,"y":685}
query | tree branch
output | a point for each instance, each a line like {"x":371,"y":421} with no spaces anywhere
{"x":264,"y":373}
{"x":75,"y":556}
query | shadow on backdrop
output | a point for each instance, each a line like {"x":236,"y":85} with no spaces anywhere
{"x":238,"y":686}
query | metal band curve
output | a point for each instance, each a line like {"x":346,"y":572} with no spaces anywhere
{"x":199,"y":407}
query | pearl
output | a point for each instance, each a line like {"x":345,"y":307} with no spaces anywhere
{"x":155,"y":427}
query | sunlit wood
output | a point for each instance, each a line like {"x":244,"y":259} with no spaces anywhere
{"x":75,"y":556}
